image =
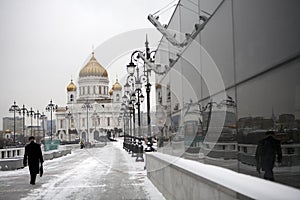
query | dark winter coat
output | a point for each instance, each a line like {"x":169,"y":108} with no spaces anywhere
{"x":266,"y":153}
{"x":34,"y":155}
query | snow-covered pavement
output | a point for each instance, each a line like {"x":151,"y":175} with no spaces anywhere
{"x":97,"y":173}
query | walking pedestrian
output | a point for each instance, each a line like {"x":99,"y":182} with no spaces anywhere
{"x":34,"y":155}
{"x":265,"y":155}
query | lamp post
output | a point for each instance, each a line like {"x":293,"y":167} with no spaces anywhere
{"x":14,"y":108}
{"x":37,"y":115}
{"x":31,"y":114}
{"x":140,"y":99}
{"x":43,"y":117}
{"x":122,"y":115}
{"x":150,"y":58}
{"x":95,"y":117}
{"x":79,"y":126}
{"x":130,"y":100}
{"x":69,"y":116}
{"x":51,"y":108}
{"x":136,"y":100}
{"x":23,"y":111}
{"x":126,"y":144}
{"x":87,"y":106}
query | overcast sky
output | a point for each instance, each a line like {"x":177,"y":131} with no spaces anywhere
{"x":46,"y":42}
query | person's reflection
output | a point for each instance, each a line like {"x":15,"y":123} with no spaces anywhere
{"x":265,"y":155}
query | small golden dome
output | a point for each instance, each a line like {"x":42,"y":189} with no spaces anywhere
{"x":71,"y":87}
{"x":158,"y":86}
{"x":93,"y":68}
{"x":117,"y":86}
{"x":7,"y":131}
{"x":111,"y":91}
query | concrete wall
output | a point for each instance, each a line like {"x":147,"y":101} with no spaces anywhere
{"x":178,"y":178}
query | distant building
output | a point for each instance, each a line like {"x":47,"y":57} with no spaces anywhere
{"x":8,"y":123}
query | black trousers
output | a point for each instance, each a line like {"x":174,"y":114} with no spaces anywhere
{"x":269,"y":175}
{"x":32,"y":178}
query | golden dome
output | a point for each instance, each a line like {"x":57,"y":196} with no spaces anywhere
{"x":117,"y":86}
{"x":93,"y":68}
{"x":71,"y":87}
{"x":111,"y":91}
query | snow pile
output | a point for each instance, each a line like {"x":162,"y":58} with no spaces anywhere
{"x":250,"y":186}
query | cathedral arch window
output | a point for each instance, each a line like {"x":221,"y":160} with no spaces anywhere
{"x":72,"y":123}
{"x":61,"y":124}
{"x":71,"y":97}
{"x":117,"y":97}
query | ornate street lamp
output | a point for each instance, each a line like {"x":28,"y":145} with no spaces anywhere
{"x":23,"y":111}
{"x":87,"y":106}
{"x":95,"y":117}
{"x":133,"y":143}
{"x":69,"y":116}
{"x":14,"y":108}
{"x":147,"y":57}
{"x":140,"y":100}
{"x":51,"y":108}
{"x":43,"y":117}
{"x":31,"y":114}
{"x":37,"y":115}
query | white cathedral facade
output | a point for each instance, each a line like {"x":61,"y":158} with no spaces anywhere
{"x":92,"y":109}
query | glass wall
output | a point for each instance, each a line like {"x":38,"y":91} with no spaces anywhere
{"x":238,"y":79}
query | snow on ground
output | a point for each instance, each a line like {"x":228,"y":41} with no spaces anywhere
{"x":137,"y":170}
{"x":96,"y":173}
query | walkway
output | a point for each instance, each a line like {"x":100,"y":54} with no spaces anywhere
{"x":96,"y":173}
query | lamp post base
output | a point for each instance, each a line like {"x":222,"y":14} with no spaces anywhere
{"x":149,"y":147}
{"x":140,"y":149}
{"x":134,"y":148}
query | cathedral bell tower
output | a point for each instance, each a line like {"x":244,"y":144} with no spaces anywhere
{"x":71,"y":93}
{"x":116,"y":92}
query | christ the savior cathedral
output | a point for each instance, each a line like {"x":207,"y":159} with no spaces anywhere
{"x":92,"y":109}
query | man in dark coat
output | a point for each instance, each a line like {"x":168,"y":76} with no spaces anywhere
{"x":34,"y":154}
{"x":265,"y":155}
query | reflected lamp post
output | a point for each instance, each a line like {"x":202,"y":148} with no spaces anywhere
{"x":14,"y":108}
{"x":51,"y":108}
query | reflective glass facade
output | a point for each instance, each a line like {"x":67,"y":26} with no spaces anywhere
{"x":237,"y":80}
